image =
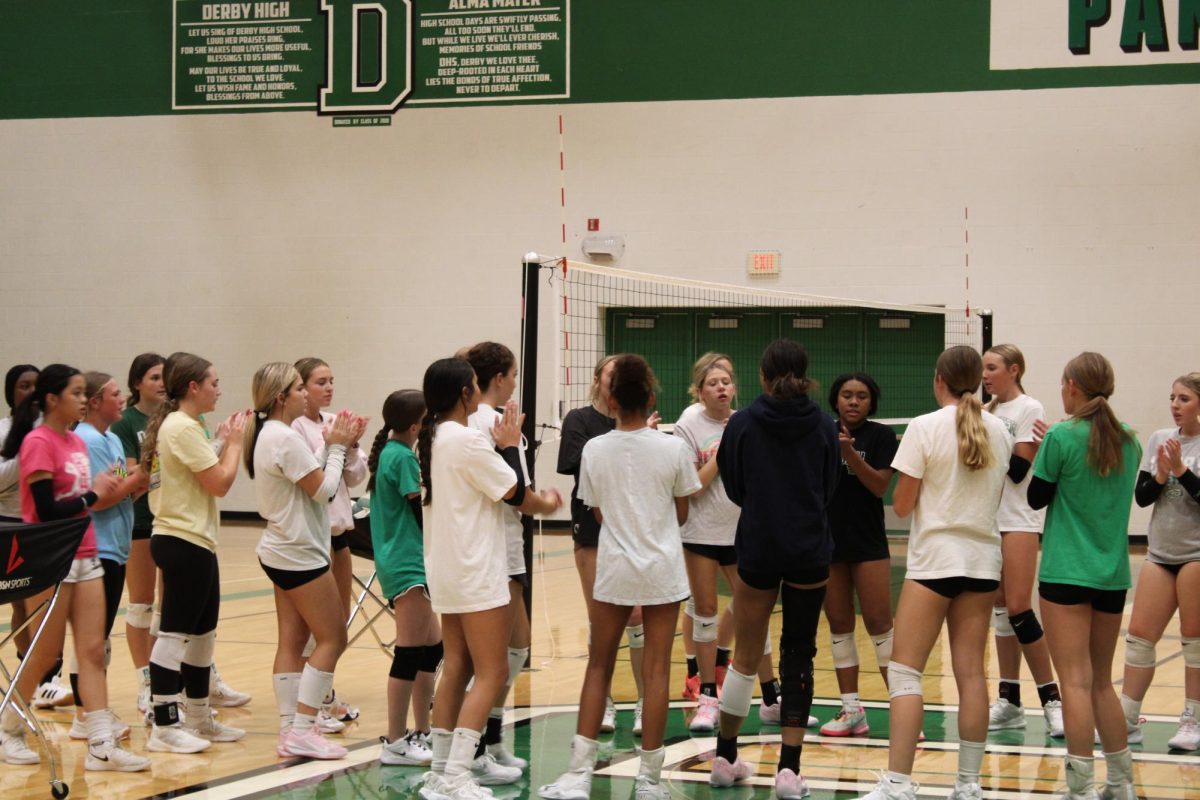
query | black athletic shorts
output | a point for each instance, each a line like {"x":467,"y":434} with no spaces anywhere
{"x":953,"y":587}
{"x":191,"y":599}
{"x":765,"y":581}
{"x":288,"y":579}
{"x":114,"y":584}
{"x":1171,"y":568}
{"x":140,"y":534}
{"x":522,"y":579}
{"x":858,"y":547}
{"x":340,"y":542}
{"x":723,"y":554}
{"x":1109,"y":601}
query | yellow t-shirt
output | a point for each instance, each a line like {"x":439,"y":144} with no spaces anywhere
{"x":179,"y":503}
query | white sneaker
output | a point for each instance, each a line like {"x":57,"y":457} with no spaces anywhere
{"x":339,"y":709}
{"x":213,"y":731}
{"x":647,"y":789}
{"x":1003,"y":716}
{"x":1054,"y":719}
{"x":113,"y":758}
{"x":52,"y":694}
{"x":174,"y":739}
{"x":637,"y":719}
{"x":812,"y":721}
{"x":724,"y":774}
{"x":79,"y":728}
{"x":222,"y":695}
{"x":769,"y":714}
{"x":505,"y":758}
{"x":488,"y":772}
{"x":464,"y":787}
{"x":966,"y":791}
{"x":434,"y":787}
{"x":143,"y":702}
{"x":573,"y":785}
{"x":1188,"y":735}
{"x":885,"y":791}
{"x":404,"y":752}
{"x":15,"y":750}
{"x":609,"y":723}
{"x":1133,"y":731}
{"x":308,"y":744}
{"x":790,"y":786}
{"x":847,"y":722}
{"x":1124,"y":791}
{"x":327,"y":723}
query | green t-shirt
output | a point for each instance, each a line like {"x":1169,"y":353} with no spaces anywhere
{"x":395,"y":535}
{"x":1086,"y":539}
{"x":130,"y":429}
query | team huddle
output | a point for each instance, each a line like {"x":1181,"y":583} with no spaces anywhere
{"x":781,"y":499}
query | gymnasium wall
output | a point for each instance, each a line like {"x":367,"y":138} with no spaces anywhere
{"x":850,"y":139}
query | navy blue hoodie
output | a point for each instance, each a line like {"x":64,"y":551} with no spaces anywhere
{"x":779,"y":461}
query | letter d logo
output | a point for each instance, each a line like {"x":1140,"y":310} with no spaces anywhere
{"x":368,"y":61}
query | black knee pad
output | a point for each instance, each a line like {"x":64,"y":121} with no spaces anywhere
{"x":431,"y":658}
{"x":1026,"y":626}
{"x":406,"y":662}
{"x":801,"y":614}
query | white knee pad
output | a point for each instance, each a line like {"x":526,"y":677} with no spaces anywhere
{"x":315,"y":686}
{"x":689,"y":607}
{"x":636,"y":636}
{"x":1139,"y":652}
{"x":198,"y":650}
{"x":1191,"y":653}
{"x":1001,"y":623}
{"x":844,"y":650}
{"x":903,"y":680}
{"x":704,"y":629}
{"x":139,"y":615}
{"x":883,"y":647}
{"x":155,"y":622}
{"x":168,"y":651}
{"x":309,"y":646}
{"x":737,"y":692}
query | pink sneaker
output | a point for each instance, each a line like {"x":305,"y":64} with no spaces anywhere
{"x":706,"y":714}
{"x":691,"y":688}
{"x":308,"y":744}
{"x":789,"y":785}
{"x":725,"y":774}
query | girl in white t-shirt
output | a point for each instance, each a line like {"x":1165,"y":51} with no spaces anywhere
{"x":1017,"y":628}
{"x":952,"y":466}
{"x":637,"y":480}
{"x":293,"y":489}
{"x":465,"y":477}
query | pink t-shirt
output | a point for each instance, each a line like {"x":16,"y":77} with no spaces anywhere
{"x":65,"y":456}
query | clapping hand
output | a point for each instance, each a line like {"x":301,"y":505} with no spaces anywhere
{"x":507,"y":430}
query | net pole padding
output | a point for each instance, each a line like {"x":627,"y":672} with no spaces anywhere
{"x":985,"y":335}
{"x":530,"y":293}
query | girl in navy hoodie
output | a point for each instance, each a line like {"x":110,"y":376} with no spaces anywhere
{"x":779,"y":461}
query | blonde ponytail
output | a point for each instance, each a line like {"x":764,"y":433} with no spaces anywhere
{"x":974,"y":447}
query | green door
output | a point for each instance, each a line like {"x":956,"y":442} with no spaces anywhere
{"x":900,"y":350}
{"x":833,"y":339}
{"x":664,"y":338}
{"x":741,"y":335}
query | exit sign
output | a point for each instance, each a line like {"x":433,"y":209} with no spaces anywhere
{"x":762,"y":262}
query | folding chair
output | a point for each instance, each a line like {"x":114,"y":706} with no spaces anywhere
{"x":360,"y":545}
{"x":36,"y":556}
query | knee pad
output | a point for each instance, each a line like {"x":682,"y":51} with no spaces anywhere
{"x":704,"y":629}
{"x":517,"y":656}
{"x":198,"y":650}
{"x":406,"y":662}
{"x":689,"y":607}
{"x":801,"y":614}
{"x":636,"y":636}
{"x":736,"y":693}
{"x":844,"y":650}
{"x":1191,"y":653}
{"x":431,"y":658}
{"x":1139,"y":652}
{"x":796,"y":682}
{"x":883,"y":647}
{"x":139,"y":615}
{"x":155,"y":622}
{"x":1001,"y":623}
{"x":903,"y":680}
{"x":316,"y":686}
{"x":1026,"y":626}
{"x":309,"y":646}
{"x":168,"y":651}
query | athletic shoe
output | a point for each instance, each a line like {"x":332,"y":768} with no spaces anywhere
{"x":966,"y":791}
{"x":1124,"y":791}
{"x":1188,"y":735}
{"x":790,"y":786}
{"x":488,"y":772}
{"x":1054,"y":719}
{"x":174,"y":739}
{"x":341,"y":710}
{"x":637,"y":719}
{"x":221,"y":695}
{"x":725,"y":774}
{"x":847,"y":723}
{"x":812,"y":721}
{"x":1003,"y":716}
{"x":308,"y":744}
{"x":885,"y":791}
{"x":720,"y":673}
{"x":15,"y":750}
{"x":573,"y":785}
{"x":705,"y":719}
{"x":212,"y":731}
{"x":1133,"y":731}
{"x":52,"y":694}
{"x":609,"y":723}
{"x":504,"y":757}
{"x":434,"y":788}
{"x":1090,"y":794}
{"x":769,"y":714}
{"x":647,"y":789}
{"x":328,"y":723}
{"x":464,"y":787}
{"x":691,"y":688}
{"x":144,"y":705}
{"x":111,"y":758}
{"x":79,"y":728}
{"x":404,"y":752}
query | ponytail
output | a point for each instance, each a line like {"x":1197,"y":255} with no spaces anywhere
{"x":974,"y":447}
{"x":425,"y":453}
{"x":180,"y":370}
{"x":376,"y":448}
{"x":250,"y":439}
{"x":1093,"y":375}
{"x":401,"y":410}
{"x":52,"y":380}
{"x":270,"y":382}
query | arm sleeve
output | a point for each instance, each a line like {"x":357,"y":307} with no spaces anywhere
{"x":1018,"y":468}
{"x":512,"y":457}
{"x":1191,"y":484}
{"x":1147,"y":490}
{"x":355,"y":471}
{"x":570,"y":447}
{"x":295,"y":460}
{"x":50,"y":509}
{"x":1041,"y":493}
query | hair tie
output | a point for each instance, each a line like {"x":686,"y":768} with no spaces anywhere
{"x":262,"y":415}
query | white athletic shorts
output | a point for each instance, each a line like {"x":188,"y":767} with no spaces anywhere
{"x":84,"y":570}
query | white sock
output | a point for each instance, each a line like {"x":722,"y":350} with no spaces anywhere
{"x":462,"y":752}
{"x":970,"y":758}
{"x":1191,"y":707}
{"x":99,"y":729}
{"x":287,"y":692}
{"x":1132,"y":708}
{"x":583,"y":753}
{"x":896,"y":780}
{"x":302,"y":722}
{"x":197,"y":712}
{"x":1080,"y":773}
{"x":851,"y":701}
{"x":439,"y":743}
{"x":651,"y":764}
{"x":1120,"y":768}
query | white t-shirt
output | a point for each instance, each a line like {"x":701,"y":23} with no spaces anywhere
{"x":483,"y":420}
{"x":954,"y":531}
{"x":712,"y":516}
{"x":10,"y":477}
{"x":297,"y":534}
{"x":633,"y":478}
{"x":465,"y":562}
{"x":1015,"y":514}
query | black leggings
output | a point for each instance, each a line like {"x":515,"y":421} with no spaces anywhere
{"x":801,"y":615}
{"x":191,"y":600}
{"x":114,"y":585}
